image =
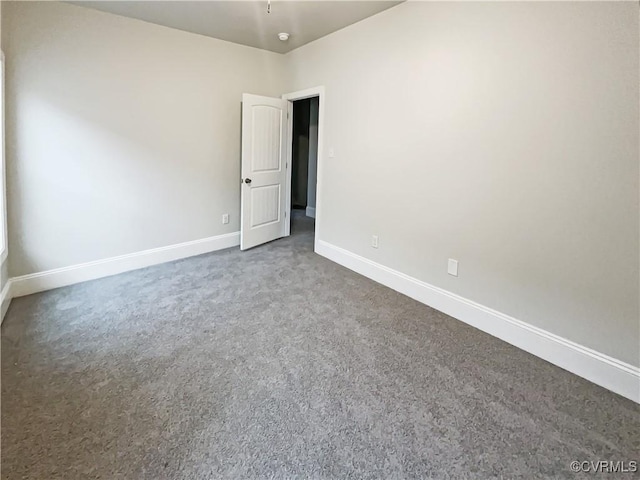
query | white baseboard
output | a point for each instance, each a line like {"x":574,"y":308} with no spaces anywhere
{"x":60,"y":277}
{"x":311,"y":212}
{"x":596,"y":367}
{"x":5,"y":299}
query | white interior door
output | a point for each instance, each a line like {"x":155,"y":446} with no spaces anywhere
{"x":264,"y":148}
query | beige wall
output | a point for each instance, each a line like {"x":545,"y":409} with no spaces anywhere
{"x":122,"y":135}
{"x":504,"y":135}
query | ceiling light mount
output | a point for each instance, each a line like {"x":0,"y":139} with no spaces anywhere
{"x":284,"y":36}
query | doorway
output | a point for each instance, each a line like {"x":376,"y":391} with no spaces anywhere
{"x":304,"y":160}
{"x":267,"y":162}
{"x":306,"y":113}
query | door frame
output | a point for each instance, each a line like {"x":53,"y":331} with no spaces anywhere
{"x":291,"y":97}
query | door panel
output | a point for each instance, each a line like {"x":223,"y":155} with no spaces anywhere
{"x":265,"y":202}
{"x":263,"y":170}
{"x":265,"y":140}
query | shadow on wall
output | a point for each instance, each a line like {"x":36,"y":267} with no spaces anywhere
{"x":91,"y":171}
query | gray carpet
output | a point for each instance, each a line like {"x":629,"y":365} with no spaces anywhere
{"x":277,"y":363}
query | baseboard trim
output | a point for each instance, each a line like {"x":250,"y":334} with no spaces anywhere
{"x":5,"y":299}
{"x":612,"y":374}
{"x":311,"y":212}
{"x":60,"y":277}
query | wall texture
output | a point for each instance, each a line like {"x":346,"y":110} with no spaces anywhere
{"x":502,"y":134}
{"x":121,"y":135}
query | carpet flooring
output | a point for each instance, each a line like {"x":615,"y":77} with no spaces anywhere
{"x":277,"y":363}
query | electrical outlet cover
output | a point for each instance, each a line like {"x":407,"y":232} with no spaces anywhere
{"x":452,"y":268}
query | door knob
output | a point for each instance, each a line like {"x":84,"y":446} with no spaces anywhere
{"x":247,"y":180}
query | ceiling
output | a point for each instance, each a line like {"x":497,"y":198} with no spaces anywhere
{"x":247,"y":22}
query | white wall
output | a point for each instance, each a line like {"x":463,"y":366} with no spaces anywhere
{"x":502,"y":134}
{"x":122,"y":135}
{"x":313,"y":153}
